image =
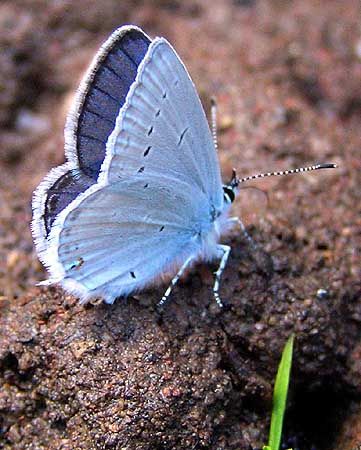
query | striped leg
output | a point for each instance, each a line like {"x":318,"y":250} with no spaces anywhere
{"x":174,"y":281}
{"x":239,"y":222}
{"x":226,"y":250}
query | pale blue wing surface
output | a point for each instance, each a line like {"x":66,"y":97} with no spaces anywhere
{"x":163,"y":128}
{"x":122,"y":236}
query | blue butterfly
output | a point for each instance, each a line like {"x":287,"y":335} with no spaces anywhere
{"x":141,"y":192}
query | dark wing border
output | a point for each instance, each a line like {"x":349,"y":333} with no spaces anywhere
{"x":100,"y":97}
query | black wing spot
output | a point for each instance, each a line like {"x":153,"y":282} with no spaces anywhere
{"x":145,"y":186}
{"x":150,"y":131}
{"x":161,"y":228}
{"x":164,"y":95}
{"x":77,"y":264}
{"x":157,"y":113}
{"x":182,"y":136}
{"x":141,"y":169}
{"x":132,"y":274}
{"x":147,"y":150}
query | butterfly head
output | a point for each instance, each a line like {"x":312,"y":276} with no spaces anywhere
{"x":230,"y":189}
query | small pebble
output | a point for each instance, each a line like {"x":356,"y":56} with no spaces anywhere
{"x":322,"y":294}
{"x":12,"y":259}
{"x":226,"y":122}
{"x":358,"y":49}
{"x":27,"y":121}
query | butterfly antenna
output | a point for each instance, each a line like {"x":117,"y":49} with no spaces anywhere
{"x":236,"y":180}
{"x":214,"y":122}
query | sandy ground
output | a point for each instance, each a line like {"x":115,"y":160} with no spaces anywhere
{"x":287,"y":79}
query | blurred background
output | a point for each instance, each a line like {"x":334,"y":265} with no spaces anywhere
{"x":287,"y":78}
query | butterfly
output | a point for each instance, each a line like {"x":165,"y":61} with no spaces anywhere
{"x":140,"y":192}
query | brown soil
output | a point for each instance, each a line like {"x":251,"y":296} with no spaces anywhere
{"x":287,"y":79}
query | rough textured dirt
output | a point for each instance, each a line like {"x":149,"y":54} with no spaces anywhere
{"x":287,"y":79}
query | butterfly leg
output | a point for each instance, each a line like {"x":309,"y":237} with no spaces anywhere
{"x":174,"y":281}
{"x":238,"y":221}
{"x":226,"y":249}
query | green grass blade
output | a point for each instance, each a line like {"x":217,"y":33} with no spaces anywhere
{"x":280,"y":395}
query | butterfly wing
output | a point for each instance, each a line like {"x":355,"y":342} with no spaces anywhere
{"x":116,"y":239}
{"x":163,"y":127}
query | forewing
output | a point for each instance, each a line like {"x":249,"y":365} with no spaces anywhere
{"x":162,"y":128}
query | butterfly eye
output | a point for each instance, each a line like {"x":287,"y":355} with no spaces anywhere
{"x":228,"y":194}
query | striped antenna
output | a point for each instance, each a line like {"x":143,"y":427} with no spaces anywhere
{"x":235,"y":181}
{"x":214,"y":121}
